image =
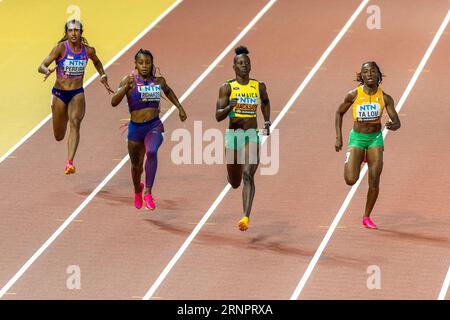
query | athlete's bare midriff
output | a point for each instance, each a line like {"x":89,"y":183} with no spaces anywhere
{"x":362,"y":127}
{"x":243,"y":123}
{"x":144,"y":115}
{"x":68,"y":84}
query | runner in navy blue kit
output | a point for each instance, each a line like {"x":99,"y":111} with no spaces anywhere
{"x":71,"y":55}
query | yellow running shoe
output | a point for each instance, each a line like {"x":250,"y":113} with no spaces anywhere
{"x":243,"y":224}
{"x":70,"y":169}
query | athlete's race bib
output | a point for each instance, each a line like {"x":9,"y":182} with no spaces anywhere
{"x":246,"y":106}
{"x":150,"y":93}
{"x":74,"y":67}
{"x":368,"y":112}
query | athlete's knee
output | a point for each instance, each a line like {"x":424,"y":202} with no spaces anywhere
{"x":235,"y":185}
{"x":75,"y":123}
{"x":59,"y":133}
{"x":151,"y":152}
{"x":247,"y":177}
{"x":59,"y":136}
{"x":351,"y":180}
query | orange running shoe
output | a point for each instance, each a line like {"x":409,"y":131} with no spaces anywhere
{"x":70,"y":169}
{"x":243,"y":223}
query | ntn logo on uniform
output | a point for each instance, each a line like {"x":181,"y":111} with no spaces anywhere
{"x":248,"y":100}
{"x":75,"y":63}
{"x":149,"y":88}
{"x":369,"y":107}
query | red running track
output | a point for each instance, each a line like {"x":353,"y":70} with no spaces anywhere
{"x":121,"y":251}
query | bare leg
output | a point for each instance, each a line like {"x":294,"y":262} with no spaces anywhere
{"x":234,"y":171}
{"x":375,"y":162}
{"x":76,"y":110}
{"x":353,"y":165}
{"x":249,"y":170}
{"x":136,"y":150}
{"x":59,"y":117}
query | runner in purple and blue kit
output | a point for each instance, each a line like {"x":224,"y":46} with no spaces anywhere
{"x":145,"y":129}
{"x":71,"y":55}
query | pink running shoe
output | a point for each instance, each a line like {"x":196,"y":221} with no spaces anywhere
{"x":138,"y":198}
{"x":368,"y":223}
{"x":149,"y":204}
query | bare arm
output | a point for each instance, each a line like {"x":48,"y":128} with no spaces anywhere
{"x":99,"y":67}
{"x":343,"y":108}
{"x":224,"y":105}
{"x":172,"y":97}
{"x":95,"y":60}
{"x":394,"y":124}
{"x":265,"y":106}
{"x":125,"y":85}
{"x":53,"y":56}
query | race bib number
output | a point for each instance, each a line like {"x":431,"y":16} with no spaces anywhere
{"x":368,"y":112}
{"x":74,"y":67}
{"x":347,"y":156}
{"x":246,"y":106}
{"x":150,"y":93}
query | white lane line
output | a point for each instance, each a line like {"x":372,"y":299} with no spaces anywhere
{"x":349,"y":197}
{"x":93,"y":77}
{"x":445,"y":285}
{"x":285,"y":109}
{"x":116,"y":169}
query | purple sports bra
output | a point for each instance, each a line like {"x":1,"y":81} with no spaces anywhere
{"x":145,"y":94}
{"x":72,"y":64}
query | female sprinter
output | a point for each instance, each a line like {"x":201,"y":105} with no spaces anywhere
{"x":239,"y":99}
{"x":71,"y":55}
{"x":368,"y":102}
{"x":145,"y":129}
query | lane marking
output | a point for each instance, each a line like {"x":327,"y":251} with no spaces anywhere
{"x":207,"y":223}
{"x":424,"y":70}
{"x":352,"y":191}
{"x":93,"y":77}
{"x":339,"y":227}
{"x":445,"y":285}
{"x":116,"y":169}
{"x":285,"y":109}
{"x":75,"y":220}
{"x":207,"y":65}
